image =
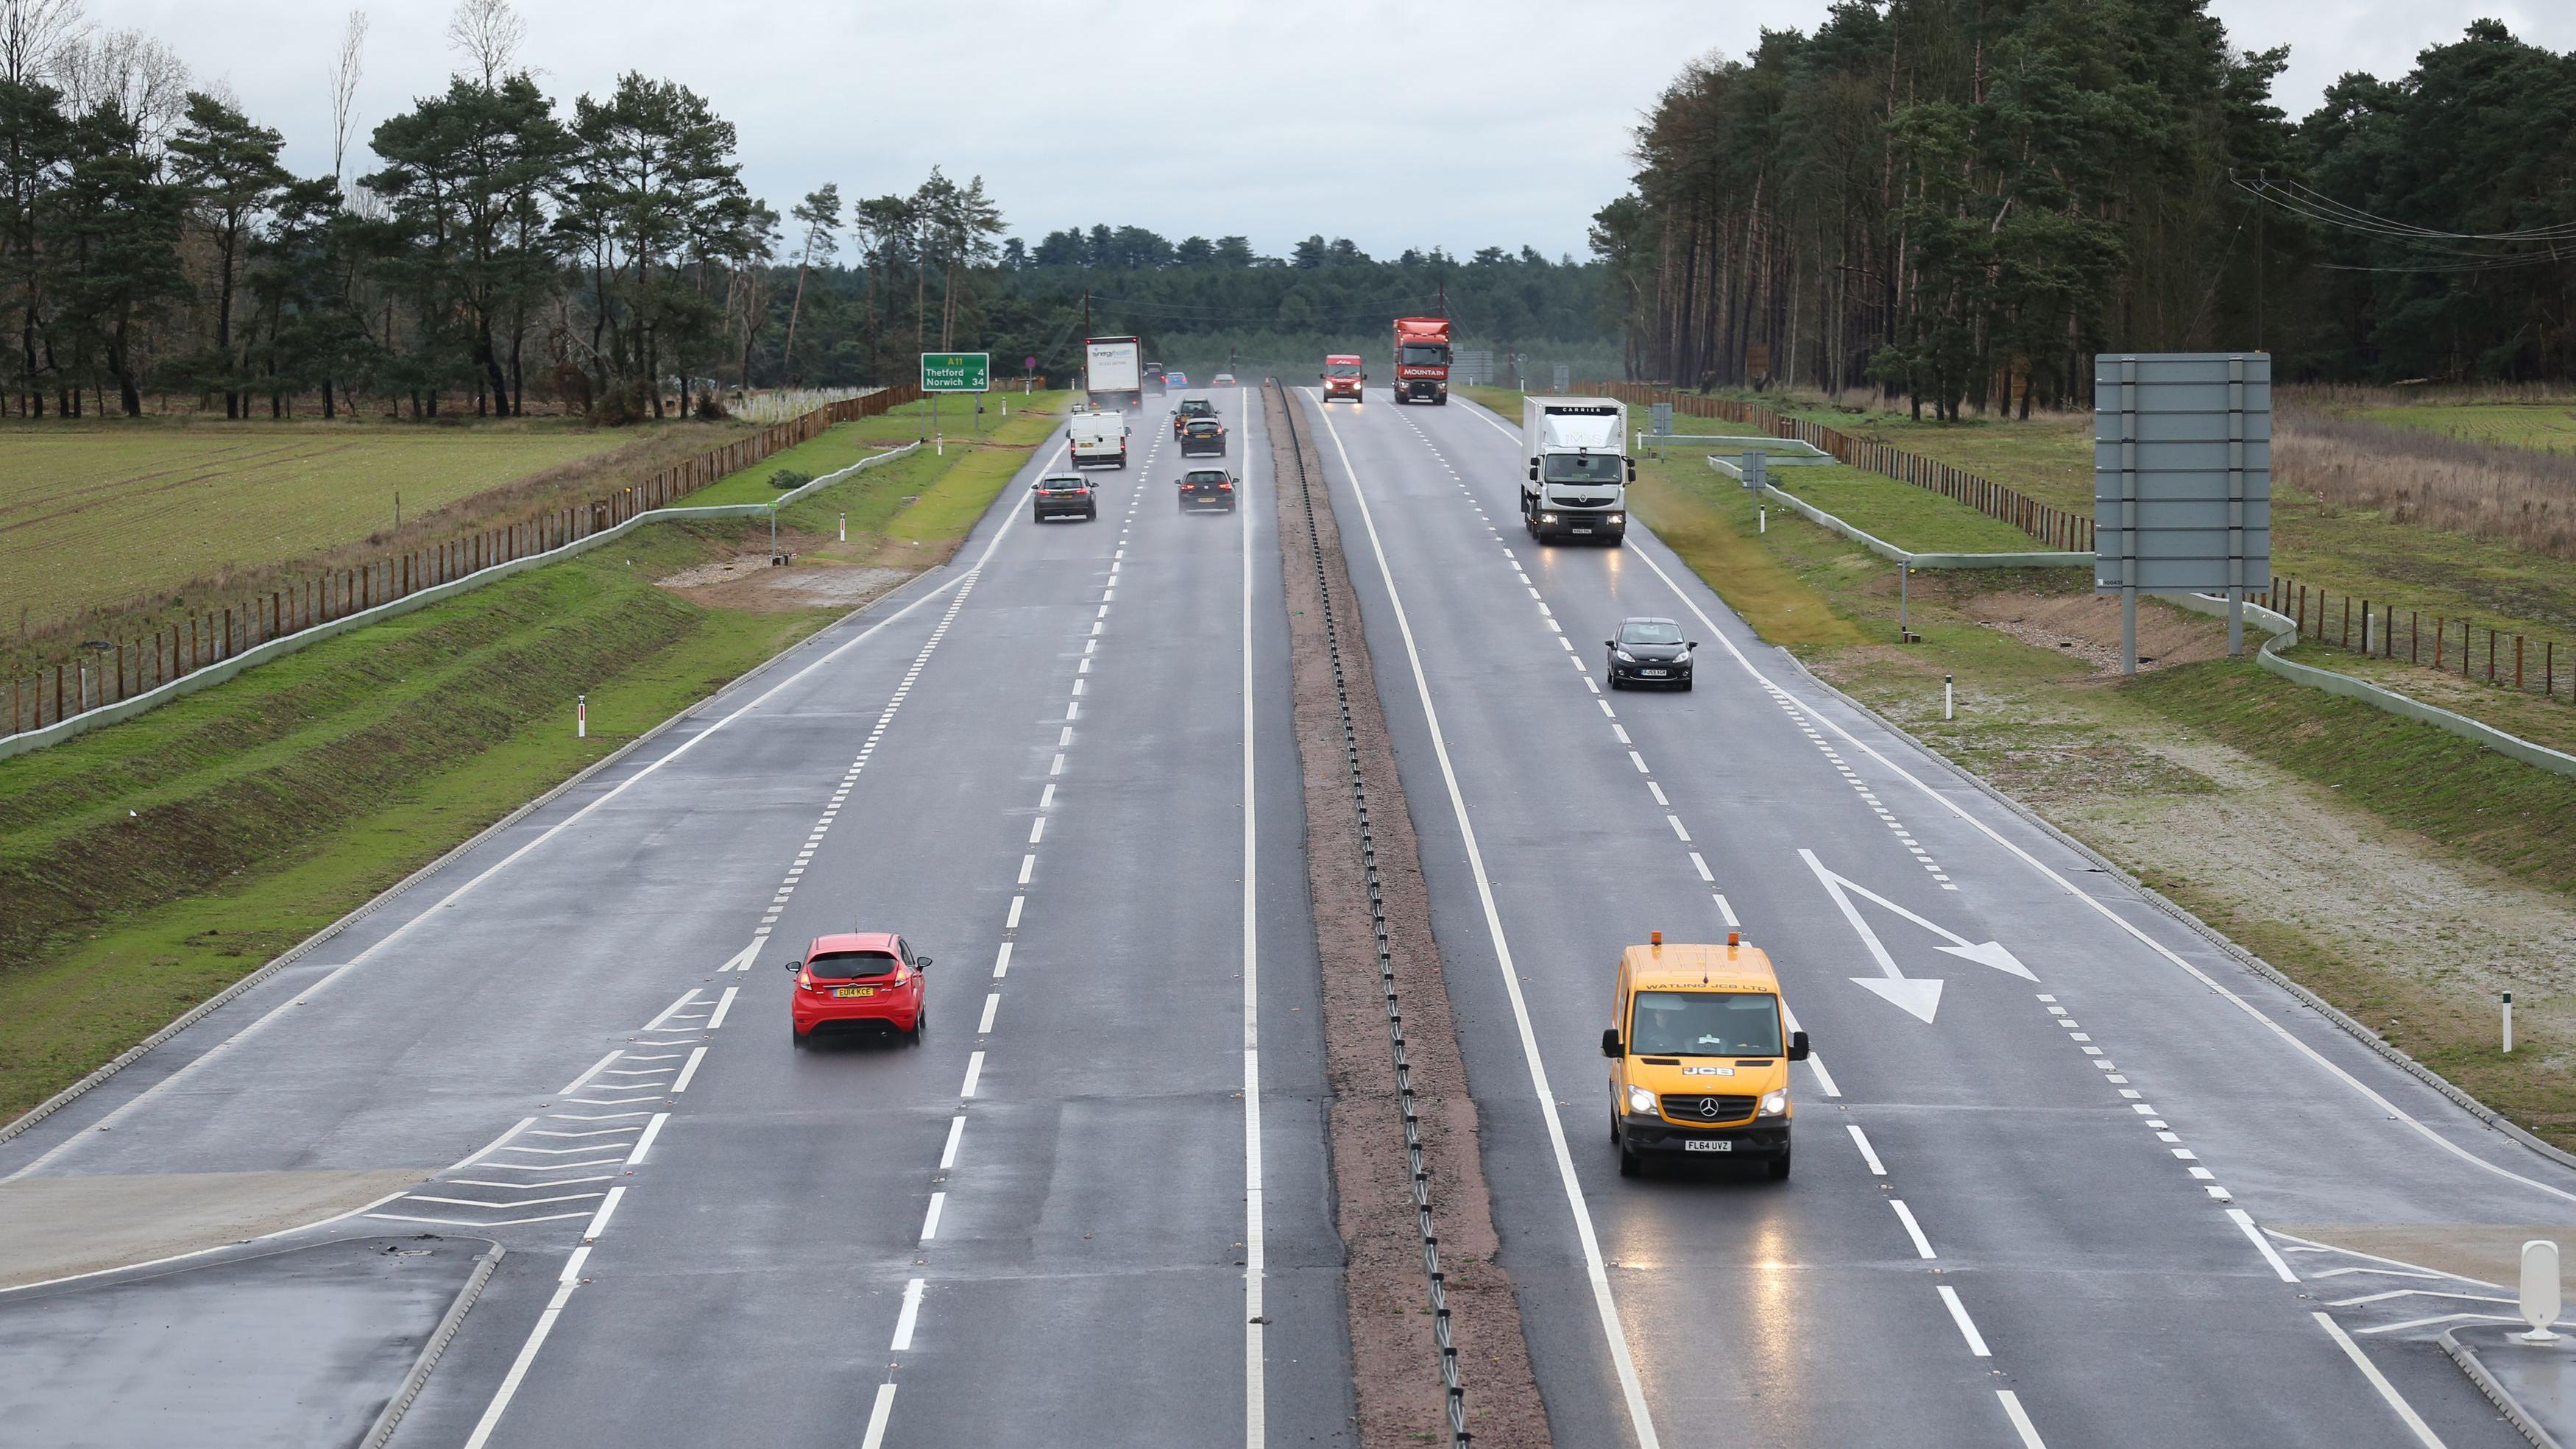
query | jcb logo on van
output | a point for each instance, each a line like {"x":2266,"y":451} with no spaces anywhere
{"x":1708,"y":1071}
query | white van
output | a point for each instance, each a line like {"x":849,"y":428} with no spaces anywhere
{"x":1098,"y":437}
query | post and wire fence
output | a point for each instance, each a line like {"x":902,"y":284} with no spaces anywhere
{"x":2059,"y":528}
{"x":107,"y":672}
{"x":2486,"y":653}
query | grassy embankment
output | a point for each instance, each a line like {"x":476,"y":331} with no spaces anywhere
{"x":2317,"y":831}
{"x":242,"y":837}
{"x":112,"y":528}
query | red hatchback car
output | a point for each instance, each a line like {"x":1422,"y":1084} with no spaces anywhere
{"x":857,"y":981}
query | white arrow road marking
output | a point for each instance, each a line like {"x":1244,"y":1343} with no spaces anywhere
{"x":1984,"y":953}
{"x":1918,"y":995}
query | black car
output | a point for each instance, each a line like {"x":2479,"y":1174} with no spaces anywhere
{"x":1191,"y":407}
{"x":1650,"y":651}
{"x":1207,"y":487}
{"x":1063,"y":495}
{"x":1202,"y":435}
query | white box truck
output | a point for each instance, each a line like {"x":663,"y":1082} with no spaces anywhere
{"x":1579,"y":469}
{"x":1095,"y":437}
{"x":1113,"y":372}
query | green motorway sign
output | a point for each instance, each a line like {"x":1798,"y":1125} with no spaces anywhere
{"x":956,"y":372}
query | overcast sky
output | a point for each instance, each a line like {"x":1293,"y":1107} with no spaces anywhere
{"x":1459,"y":125}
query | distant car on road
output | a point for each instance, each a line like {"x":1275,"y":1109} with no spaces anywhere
{"x":1063,"y":495}
{"x":1650,"y":651}
{"x":1191,"y":407}
{"x":1225,"y":379}
{"x":1206,"y":487}
{"x":1177,"y":379}
{"x":1202,"y":436}
{"x":857,"y":981}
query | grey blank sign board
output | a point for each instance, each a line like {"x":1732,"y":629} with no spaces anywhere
{"x":2182,"y":471}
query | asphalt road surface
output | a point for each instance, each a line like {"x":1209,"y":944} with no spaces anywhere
{"x":2044,"y":1148}
{"x":2027,"y":1200}
{"x":1061,"y":1218}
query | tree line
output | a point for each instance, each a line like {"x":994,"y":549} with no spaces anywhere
{"x":1962,"y":200}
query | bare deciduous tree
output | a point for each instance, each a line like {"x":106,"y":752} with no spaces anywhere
{"x":132,"y":74}
{"x":32,"y":36}
{"x":489,"y":33}
{"x":346,"y":67}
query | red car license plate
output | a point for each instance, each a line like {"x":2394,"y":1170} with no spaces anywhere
{"x":846,"y":991}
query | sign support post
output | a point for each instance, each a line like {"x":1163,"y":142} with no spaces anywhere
{"x":2182,"y":482}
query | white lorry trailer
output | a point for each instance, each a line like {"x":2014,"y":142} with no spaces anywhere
{"x":1113,"y":372}
{"x":1579,"y":469}
{"x":1095,"y":437}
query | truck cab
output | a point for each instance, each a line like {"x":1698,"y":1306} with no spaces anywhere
{"x":1342,"y":377}
{"x":1422,"y":360}
{"x":1699,"y":1048}
{"x":1578,"y":469}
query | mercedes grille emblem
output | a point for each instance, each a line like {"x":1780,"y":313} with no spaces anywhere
{"x":1708,"y":1106}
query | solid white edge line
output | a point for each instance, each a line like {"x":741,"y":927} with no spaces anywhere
{"x":577,"y":1083}
{"x":519,"y":1368}
{"x":656,"y":1023}
{"x":653,"y":1129}
{"x":1905,"y":1215}
{"x":877,"y":1416}
{"x":1631,"y":1388}
{"x":1967,"y":1327}
{"x":2388,"y":1394}
{"x":1255,"y":1388}
{"x":488,"y":1148}
{"x":2245,"y":1221}
{"x":1009,"y":517}
{"x":909,"y":1315}
{"x":2020,"y":1417}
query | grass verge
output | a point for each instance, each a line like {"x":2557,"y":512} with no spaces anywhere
{"x":146,"y":866}
{"x":2401,"y":873}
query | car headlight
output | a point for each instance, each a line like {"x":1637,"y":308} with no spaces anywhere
{"x":1640,"y":1100}
{"x":1623,"y":656}
{"x":1775,"y":1102}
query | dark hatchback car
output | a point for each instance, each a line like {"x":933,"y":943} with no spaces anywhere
{"x":1191,"y":407}
{"x":1207,"y":488}
{"x":1650,"y":651}
{"x":1064,"y":496}
{"x":1200,"y":436}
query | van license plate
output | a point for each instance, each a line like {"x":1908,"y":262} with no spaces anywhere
{"x":1581,"y":530}
{"x":1708,"y":1145}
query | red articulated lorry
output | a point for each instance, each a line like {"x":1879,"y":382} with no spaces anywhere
{"x":1422,"y":359}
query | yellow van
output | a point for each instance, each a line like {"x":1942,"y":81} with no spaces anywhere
{"x":1699,"y":1055}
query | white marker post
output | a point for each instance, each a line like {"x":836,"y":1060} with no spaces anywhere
{"x":2539,"y":1290}
{"x":845,"y":528}
{"x":2508,"y":1022}
{"x":581,"y":716}
{"x":1945,"y":706}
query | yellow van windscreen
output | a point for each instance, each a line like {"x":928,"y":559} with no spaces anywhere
{"x":1705,"y":1024}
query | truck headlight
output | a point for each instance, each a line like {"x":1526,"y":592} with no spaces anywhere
{"x":1775,"y":1102}
{"x":1618,"y":518}
{"x":1640,"y":1100}
{"x":1547,"y":518}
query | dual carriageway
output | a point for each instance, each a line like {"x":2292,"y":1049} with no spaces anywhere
{"x":2067,"y":1164}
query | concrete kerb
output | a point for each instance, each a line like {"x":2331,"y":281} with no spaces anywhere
{"x":201,"y":1010}
{"x":400,"y":1404}
{"x":26,"y":741}
{"x":2479,"y":1374}
{"x":2493,"y":1119}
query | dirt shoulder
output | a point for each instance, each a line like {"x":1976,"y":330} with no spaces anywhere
{"x":1395,"y":1358}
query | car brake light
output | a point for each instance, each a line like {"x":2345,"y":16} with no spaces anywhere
{"x":1225,"y":487}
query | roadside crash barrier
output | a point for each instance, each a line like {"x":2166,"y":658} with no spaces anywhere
{"x":284,"y":644}
{"x":1438,"y":1295}
{"x":2283,"y":631}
